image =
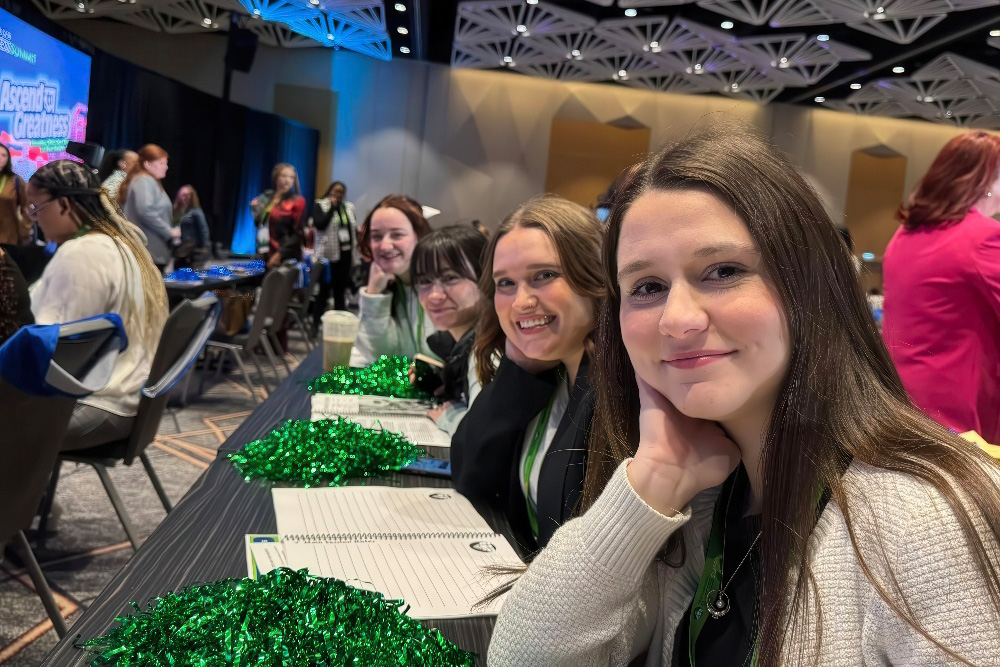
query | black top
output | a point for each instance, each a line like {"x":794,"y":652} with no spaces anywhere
{"x":15,"y":304}
{"x":486,"y":449}
{"x":730,"y":640}
{"x":454,"y":376}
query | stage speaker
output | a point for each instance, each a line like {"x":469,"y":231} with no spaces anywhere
{"x":241,"y":48}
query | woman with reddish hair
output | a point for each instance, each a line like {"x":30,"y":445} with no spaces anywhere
{"x":147,"y":205}
{"x":942,"y":288}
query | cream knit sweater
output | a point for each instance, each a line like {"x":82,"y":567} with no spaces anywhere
{"x":595,"y":596}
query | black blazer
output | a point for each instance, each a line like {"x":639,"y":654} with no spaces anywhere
{"x":486,"y":449}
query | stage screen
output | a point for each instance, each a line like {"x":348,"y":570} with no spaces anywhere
{"x":44,"y":88}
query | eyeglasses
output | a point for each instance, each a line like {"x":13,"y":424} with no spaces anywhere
{"x":33,"y":210}
{"x":445,"y":283}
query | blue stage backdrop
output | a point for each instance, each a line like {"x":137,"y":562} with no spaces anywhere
{"x":288,"y":141}
{"x":44,"y":87}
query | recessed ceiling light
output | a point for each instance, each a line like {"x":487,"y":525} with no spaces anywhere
{"x":622,"y":73}
{"x":329,"y":36}
{"x":206,"y":21}
{"x":630,"y":12}
{"x":522,"y":28}
{"x":575,"y":53}
{"x":400,"y":7}
{"x":314,"y":3}
{"x":855,"y":86}
{"x":727,"y":25}
{"x":819,"y":99}
{"x":402,"y":30}
{"x":404,"y":49}
{"x":532,"y":2}
{"x":994,"y":33}
{"x":508,"y":60}
{"x":898,"y":70}
{"x":822,"y":38}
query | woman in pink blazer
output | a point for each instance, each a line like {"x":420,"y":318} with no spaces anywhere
{"x":942,"y":288}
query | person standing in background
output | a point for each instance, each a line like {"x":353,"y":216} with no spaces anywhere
{"x":146,"y":204}
{"x":196,"y":244}
{"x":15,"y":224}
{"x":941,"y":273}
{"x":278,"y":214}
{"x":114,"y":169}
{"x":336,"y":241}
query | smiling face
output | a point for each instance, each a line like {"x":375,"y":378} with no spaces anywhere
{"x":535,"y":304}
{"x":157,"y":168}
{"x":699,"y":317}
{"x":450,"y":300}
{"x":392,"y":240}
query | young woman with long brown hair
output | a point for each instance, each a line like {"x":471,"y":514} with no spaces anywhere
{"x":521,"y":447}
{"x":759,"y":489}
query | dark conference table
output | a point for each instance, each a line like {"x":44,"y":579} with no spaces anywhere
{"x":201,"y":540}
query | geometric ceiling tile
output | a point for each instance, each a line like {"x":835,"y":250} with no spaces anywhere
{"x":901,"y":30}
{"x":756,"y":12}
{"x":948,"y":66}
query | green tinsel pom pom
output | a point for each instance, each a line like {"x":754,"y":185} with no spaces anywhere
{"x":284,"y":618}
{"x":386,"y":376}
{"x":326,"y":452}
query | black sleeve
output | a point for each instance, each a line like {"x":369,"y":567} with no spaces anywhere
{"x":15,"y":304}
{"x":487,"y":445}
{"x":320,"y":219}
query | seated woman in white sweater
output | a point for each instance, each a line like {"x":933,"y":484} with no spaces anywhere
{"x":759,"y":489}
{"x":101,"y":266}
{"x":392,"y":319}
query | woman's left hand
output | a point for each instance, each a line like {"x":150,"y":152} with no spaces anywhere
{"x":435,"y":413}
{"x":274,"y":260}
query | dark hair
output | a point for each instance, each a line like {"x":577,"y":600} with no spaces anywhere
{"x":456,"y":248}
{"x":333,"y":185}
{"x":959,"y":177}
{"x":841,"y":399}
{"x":406,"y":205}
{"x":95,"y":209}
{"x":576,"y":235}
{"x":8,"y":169}
{"x":148,"y":153}
{"x":110,"y":162}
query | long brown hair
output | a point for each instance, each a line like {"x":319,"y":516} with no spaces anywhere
{"x":576,"y":235}
{"x":147,"y":153}
{"x":406,"y":205}
{"x":841,"y":400}
{"x":959,"y":177}
{"x":193,"y":200}
{"x":81,"y":188}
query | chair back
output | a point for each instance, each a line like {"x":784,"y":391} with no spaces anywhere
{"x":33,"y":425}
{"x":185,"y":333}
{"x":271,"y":292}
{"x":290,"y":274}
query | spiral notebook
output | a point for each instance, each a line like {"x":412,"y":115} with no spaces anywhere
{"x":428,"y":547}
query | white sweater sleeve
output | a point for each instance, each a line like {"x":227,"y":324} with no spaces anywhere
{"x":77,"y":283}
{"x":591,"y":597}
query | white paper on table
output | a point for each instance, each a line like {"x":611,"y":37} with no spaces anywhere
{"x":351,"y":513}
{"x":437,"y":578}
{"x":418,"y":430}
{"x":328,"y":406}
{"x":268,"y":556}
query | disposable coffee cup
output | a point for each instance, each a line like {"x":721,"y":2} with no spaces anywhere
{"x":340,"y":327}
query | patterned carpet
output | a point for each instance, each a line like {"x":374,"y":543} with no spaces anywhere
{"x":90,"y":545}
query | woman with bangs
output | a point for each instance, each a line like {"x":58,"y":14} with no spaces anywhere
{"x":521,"y":448}
{"x":447,"y":264}
{"x":759,"y":488}
{"x":392,"y":319}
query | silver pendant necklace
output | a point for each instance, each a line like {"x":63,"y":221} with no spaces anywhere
{"x":717,"y":602}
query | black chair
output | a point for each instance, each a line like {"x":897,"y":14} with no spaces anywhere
{"x":274,"y":295}
{"x":185,"y":334}
{"x":32,"y":428}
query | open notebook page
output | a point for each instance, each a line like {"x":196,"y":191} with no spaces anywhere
{"x":330,"y":514}
{"x":437,"y":578}
{"x":328,"y":406}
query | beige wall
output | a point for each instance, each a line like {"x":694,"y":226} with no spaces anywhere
{"x":475,"y":143}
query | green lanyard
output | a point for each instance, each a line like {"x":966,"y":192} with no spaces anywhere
{"x":3,"y":184}
{"x":711,"y":575}
{"x":529,"y":460}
